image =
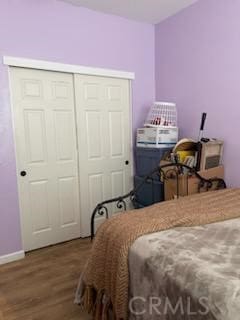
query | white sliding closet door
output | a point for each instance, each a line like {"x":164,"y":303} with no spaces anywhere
{"x":47,"y":163}
{"x":104,"y":138}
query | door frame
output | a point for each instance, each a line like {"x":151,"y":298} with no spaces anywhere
{"x":66,"y":68}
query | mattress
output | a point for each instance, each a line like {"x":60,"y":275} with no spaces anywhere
{"x":186,"y":273}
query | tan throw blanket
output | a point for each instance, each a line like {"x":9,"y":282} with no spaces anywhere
{"x":106,"y":278}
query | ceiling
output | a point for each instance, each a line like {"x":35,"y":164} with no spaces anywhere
{"x":151,"y":11}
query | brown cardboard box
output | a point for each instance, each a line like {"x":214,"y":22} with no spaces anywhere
{"x":189,"y":185}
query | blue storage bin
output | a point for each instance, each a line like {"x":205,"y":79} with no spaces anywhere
{"x":147,"y":159}
{"x":150,"y":192}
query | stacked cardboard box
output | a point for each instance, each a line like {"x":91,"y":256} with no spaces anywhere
{"x":186,"y":184}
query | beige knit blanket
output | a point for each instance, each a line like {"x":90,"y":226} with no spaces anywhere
{"x":106,"y":278}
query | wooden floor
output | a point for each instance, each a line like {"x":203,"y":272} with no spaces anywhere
{"x":42,"y":286}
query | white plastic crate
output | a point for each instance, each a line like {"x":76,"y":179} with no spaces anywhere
{"x":162,"y":114}
{"x":161,"y":137}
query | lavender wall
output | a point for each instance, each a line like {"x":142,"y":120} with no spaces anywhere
{"x":55,"y":31}
{"x":198,"y":66}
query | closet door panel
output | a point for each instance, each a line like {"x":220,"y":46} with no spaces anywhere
{"x":46,"y":147}
{"x":104,"y":137}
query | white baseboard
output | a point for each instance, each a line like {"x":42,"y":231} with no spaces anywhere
{"x":12,"y":257}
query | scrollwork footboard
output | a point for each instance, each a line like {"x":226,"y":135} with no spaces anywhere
{"x":165,"y":172}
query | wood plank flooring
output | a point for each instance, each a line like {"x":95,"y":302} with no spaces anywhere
{"x":42,"y":286}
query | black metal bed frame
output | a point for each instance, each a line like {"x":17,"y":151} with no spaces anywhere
{"x":164,"y":172}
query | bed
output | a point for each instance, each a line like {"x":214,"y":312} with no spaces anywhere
{"x":174,"y":260}
{"x":187,"y":273}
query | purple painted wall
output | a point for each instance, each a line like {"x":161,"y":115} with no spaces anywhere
{"x":198,"y":66}
{"x":55,"y":31}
